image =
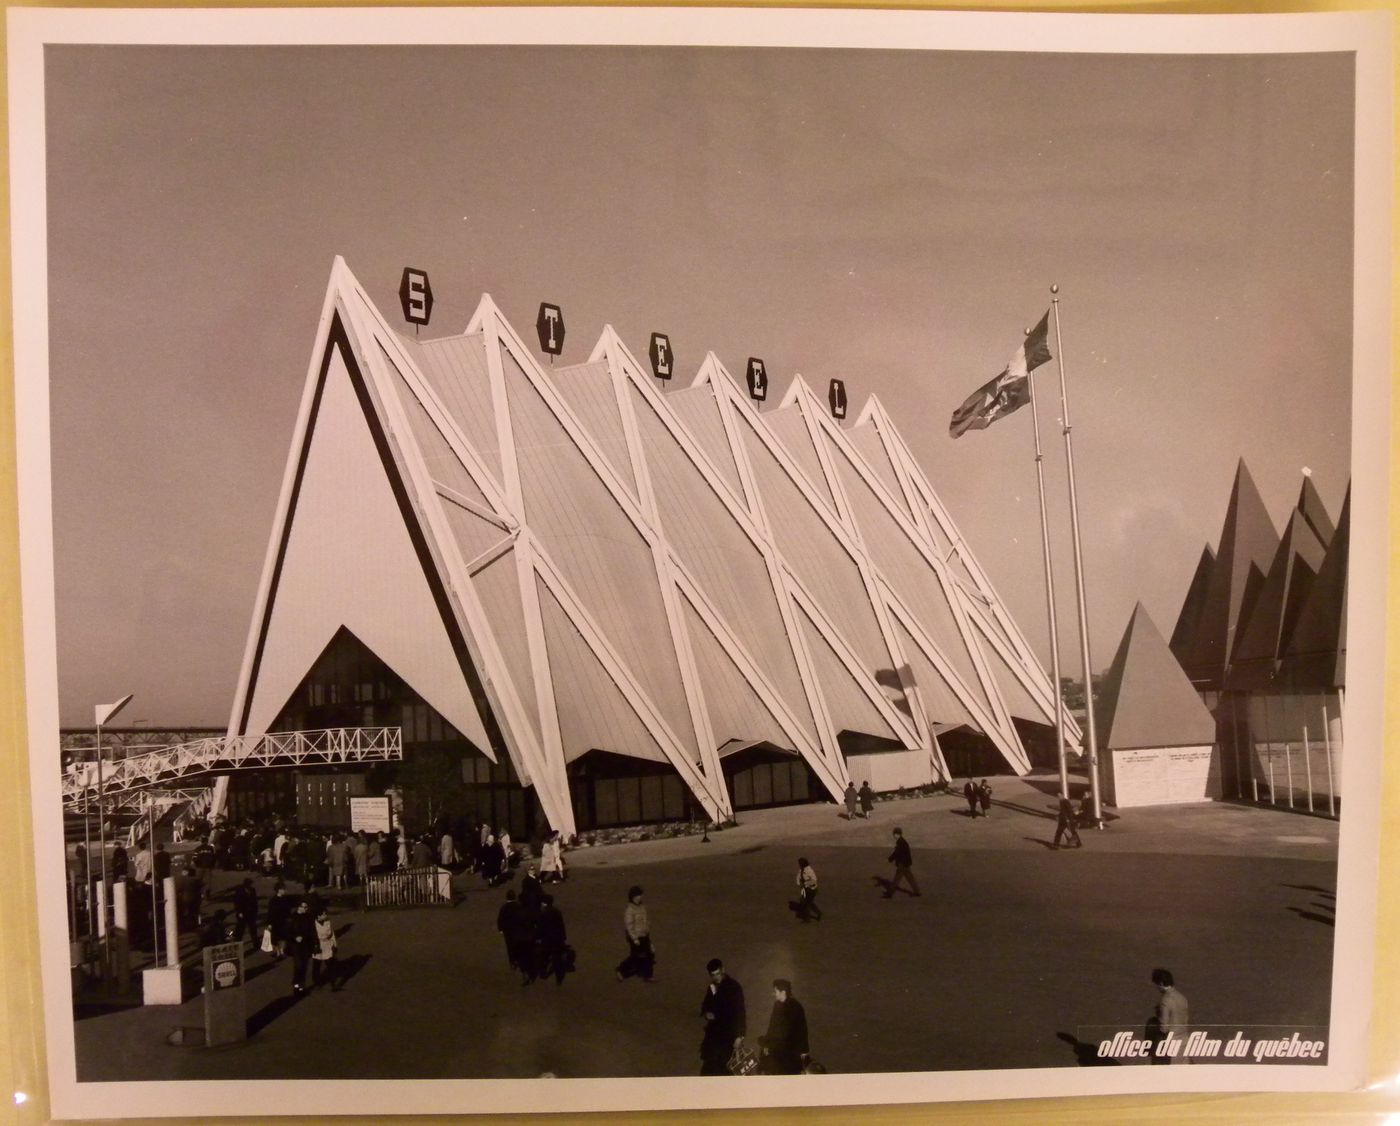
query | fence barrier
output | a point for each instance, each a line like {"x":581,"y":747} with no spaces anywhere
{"x":429,"y":886}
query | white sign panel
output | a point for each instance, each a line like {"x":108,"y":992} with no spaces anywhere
{"x":370,"y":815}
{"x":1165,"y":776}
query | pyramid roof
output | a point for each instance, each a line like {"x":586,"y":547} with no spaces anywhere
{"x":1248,"y":542}
{"x":1314,"y":511}
{"x":1275,"y":612}
{"x":1187,"y":622}
{"x":1316,"y":654}
{"x":1145,"y":699}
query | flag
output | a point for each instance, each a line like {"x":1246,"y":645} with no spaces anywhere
{"x":1010,"y":390}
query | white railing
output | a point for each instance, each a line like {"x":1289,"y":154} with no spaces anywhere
{"x":410,"y":887}
{"x":198,"y":806}
{"x":165,"y":765}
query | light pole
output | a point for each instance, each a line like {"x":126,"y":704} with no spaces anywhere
{"x":103,"y":714}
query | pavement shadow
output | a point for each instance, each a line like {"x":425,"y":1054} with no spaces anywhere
{"x":887,"y":888}
{"x":1323,"y":909}
{"x":963,"y":813}
{"x":84,"y":1009}
{"x":265,"y":968}
{"x":271,"y":1011}
{"x":344,"y":929}
{"x":1050,"y":845}
{"x":1086,"y":1054}
{"x":1030,"y":810}
{"x":349,"y":967}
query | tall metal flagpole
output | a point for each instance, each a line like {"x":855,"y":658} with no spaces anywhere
{"x":1049,"y":596}
{"x":1091,"y":729}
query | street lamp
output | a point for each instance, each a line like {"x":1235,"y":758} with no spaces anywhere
{"x":104,"y":714}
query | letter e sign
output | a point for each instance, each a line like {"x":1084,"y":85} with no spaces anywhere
{"x":758,"y":380}
{"x":662,"y":358}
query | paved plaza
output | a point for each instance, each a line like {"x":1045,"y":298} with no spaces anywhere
{"x":1014,"y":956}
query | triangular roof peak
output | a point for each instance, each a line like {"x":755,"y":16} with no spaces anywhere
{"x":797,"y":388}
{"x":608,"y":344}
{"x":872,"y":411}
{"x":485,"y":308}
{"x":1313,"y":510}
{"x":710,"y":370}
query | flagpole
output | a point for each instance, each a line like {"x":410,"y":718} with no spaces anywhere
{"x":1091,"y":729}
{"x":1049,"y":597}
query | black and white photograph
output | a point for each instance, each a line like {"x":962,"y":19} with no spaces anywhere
{"x":762,"y":557}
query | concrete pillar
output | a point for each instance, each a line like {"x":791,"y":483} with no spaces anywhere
{"x":172,"y":924}
{"x":119,"y":917}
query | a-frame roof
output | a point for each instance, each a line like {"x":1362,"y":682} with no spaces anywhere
{"x":604,"y":567}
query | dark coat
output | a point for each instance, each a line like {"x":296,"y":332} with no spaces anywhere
{"x":245,"y":903}
{"x":279,"y":911}
{"x":301,"y":934}
{"x":726,"y":1002}
{"x":901,"y":856}
{"x":786,"y":1038}
{"x":550,"y":928}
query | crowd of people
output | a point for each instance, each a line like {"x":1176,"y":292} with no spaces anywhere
{"x":295,"y":924}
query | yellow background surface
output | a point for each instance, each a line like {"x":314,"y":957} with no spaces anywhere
{"x":22,"y":1057}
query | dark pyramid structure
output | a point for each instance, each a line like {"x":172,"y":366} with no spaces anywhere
{"x":1190,"y":617}
{"x":1316,"y":654}
{"x":1314,"y":511}
{"x":1145,"y":699}
{"x":1270,"y":627}
{"x":1248,"y":542}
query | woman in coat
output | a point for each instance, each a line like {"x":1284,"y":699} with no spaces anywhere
{"x":323,"y":965}
{"x":552,"y":859}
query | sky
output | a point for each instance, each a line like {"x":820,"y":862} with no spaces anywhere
{"x":894,"y":219}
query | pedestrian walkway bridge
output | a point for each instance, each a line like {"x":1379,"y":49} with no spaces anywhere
{"x":168,"y":767}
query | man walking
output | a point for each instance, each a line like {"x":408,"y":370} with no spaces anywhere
{"x":850,"y":798}
{"x":725,"y":1021}
{"x":970,"y":796}
{"x":1064,"y":824}
{"x":245,"y":911}
{"x":784,"y":1045}
{"x":301,"y":943}
{"x":552,"y":941}
{"x":1171,"y":1020}
{"x":903,"y":861}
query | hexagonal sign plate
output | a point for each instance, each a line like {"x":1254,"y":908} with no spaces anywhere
{"x":415,"y":296}
{"x":836,"y":396}
{"x":663,"y":360}
{"x":758,"y":379}
{"x":550,"y":325}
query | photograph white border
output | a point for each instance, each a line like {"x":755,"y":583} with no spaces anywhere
{"x":1366,"y":34}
